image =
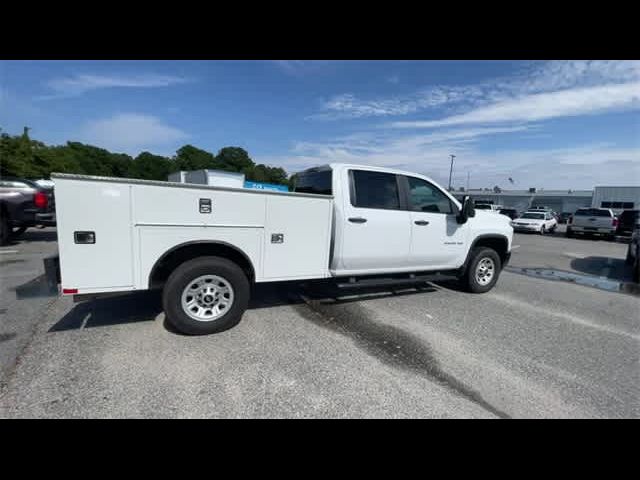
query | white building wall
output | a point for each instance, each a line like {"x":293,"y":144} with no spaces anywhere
{"x":616,"y":194}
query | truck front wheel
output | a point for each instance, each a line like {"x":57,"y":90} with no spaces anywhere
{"x":483,"y":270}
{"x":205,"y":295}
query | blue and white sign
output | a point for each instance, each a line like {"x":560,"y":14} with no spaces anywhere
{"x":265,"y":186}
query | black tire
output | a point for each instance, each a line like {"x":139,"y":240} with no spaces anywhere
{"x":569,"y":233}
{"x":629,"y":259}
{"x":636,"y":270}
{"x":543,"y":230}
{"x":186,"y":273}
{"x":17,"y":231}
{"x":469,"y":279}
{"x":5,"y":228}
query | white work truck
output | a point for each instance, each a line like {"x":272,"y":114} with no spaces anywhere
{"x":205,"y":246}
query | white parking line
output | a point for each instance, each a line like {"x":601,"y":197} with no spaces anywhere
{"x":513,"y":247}
{"x":574,"y":255}
{"x":8,"y":251}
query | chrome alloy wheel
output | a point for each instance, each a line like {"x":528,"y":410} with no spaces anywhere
{"x":207,"y":298}
{"x":485,"y":271}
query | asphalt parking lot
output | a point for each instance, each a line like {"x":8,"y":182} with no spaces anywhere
{"x":558,"y":337}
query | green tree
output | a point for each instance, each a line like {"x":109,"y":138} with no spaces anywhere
{"x":264,"y":173}
{"x":150,"y":167}
{"x":16,"y":155}
{"x":189,"y":157}
{"x":234,"y":159}
{"x":24,"y":157}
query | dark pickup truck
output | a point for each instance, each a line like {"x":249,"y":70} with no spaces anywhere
{"x":627,"y":220}
{"x":24,"y":204}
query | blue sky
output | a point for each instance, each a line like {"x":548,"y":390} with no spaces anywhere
{"x":556,"y":124}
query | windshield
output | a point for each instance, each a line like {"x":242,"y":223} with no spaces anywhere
{"x":534,"y":216}
{"x":592,"y":212}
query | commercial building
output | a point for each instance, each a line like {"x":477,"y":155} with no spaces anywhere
{"x":557,"y":200}
{"x":616,"y":198}
{"x":613,"y":197}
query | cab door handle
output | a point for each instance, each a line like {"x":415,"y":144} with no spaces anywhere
{"x":421,"y":222}
{"x":357,"y":220}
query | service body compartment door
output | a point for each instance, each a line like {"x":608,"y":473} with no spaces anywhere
{"x":297,"y":237}
{"x":103,"y":209}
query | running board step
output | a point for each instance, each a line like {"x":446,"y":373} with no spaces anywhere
{"x":355,"y":282}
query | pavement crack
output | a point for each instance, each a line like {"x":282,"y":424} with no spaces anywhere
{"x":389,"y":344}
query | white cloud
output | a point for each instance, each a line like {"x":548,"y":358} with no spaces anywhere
{"x":349,"y":106}
{"x":534,"y":78}
{"x":131,"y":133}
{"x":78,"y":84}
{"x":544,"y":106}
{"x":300,"y":67}
{"x":576,"y":167}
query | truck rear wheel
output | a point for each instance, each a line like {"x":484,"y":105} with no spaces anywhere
{"x":205,"y":295}
{"x":483,"y":270}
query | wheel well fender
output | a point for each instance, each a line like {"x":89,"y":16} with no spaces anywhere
{"x":497,"y":242}
{"x":181,"y":253}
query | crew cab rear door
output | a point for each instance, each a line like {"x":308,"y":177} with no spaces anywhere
{"x":376,"y":230}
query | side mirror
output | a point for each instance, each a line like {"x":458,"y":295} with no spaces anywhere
{"x":467,"y":211}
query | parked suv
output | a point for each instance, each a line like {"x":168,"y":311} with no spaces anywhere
{"x":24,"y":204}
{"x":592,"y":221}
{"x":626,"y":222}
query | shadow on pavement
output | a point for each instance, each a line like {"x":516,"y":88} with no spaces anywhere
{"x":147,"y":305}
{"x":117,"y":310}
{"x":612,"y":268}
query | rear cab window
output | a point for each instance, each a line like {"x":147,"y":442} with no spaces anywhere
{"x":592,"y":212}
{"x":317,"y":181}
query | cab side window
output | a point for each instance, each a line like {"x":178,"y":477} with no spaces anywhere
{"x":375,"y":190}
{"x":425,"y":197}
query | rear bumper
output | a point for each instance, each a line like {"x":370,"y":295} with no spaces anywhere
{"x":48,"y":219}
{"x":601,"y":230}
{"x":523,"y":228}
{"x":30,"y":218}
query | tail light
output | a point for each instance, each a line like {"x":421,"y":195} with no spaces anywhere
{"x":614,"y":222}
{"x":40,"y":200}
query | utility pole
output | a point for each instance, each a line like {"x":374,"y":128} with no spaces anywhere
{"x":451,"y":170}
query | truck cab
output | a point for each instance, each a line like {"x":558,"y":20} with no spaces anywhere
{"x":392,"y":221}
